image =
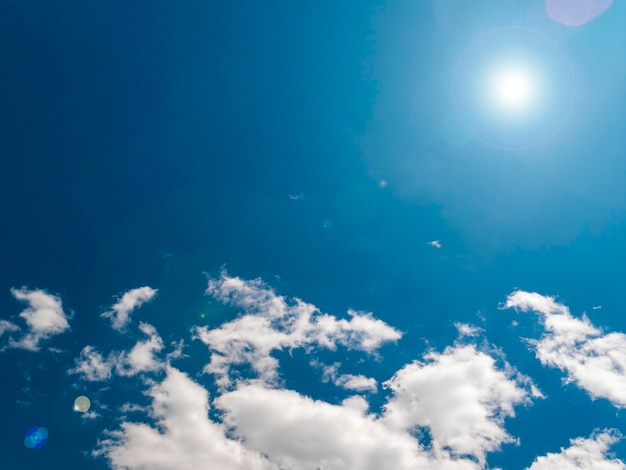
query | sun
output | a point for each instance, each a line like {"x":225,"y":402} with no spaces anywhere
{"x":514,"y":88}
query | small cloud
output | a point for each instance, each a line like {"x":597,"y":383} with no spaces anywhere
{"x":7,"y":326}
{"x":295,"y":197}
{"x":120,"y":311}
{"x":465,"y":329}
{"x":597,"y":307}
{"x":133,"y":408}
{"x":435,"y":243}
{"x":90,"y":415}
{"x":142,"y":357}
{"x":357,"y":383}
{"x":92,"y":366}
{"x":44,"y":317}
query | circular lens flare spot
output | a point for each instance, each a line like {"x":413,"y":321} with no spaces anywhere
{"x":36,"y":438}
{"x":82,"y":404}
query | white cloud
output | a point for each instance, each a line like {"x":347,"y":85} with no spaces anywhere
{"x":92,"y":366}
{"x":142,"y":357}
{"x":460,"y":396}
{"x":133,"y":408}
{"x":358,"y":383}
{"x":268,"y":429}
{"x":595,"y":361}
{"x":7,"y":326}
{"x":121,"y":310}
{"x":270,"y":324}
{"x":321,"y":435}
{"x":185,"y":436}
{"x":44,"y":317}
{"x":465,"y":329}
{"x":588,"y":454}
{"x":435,"y":243}
{"x":90,"y":415}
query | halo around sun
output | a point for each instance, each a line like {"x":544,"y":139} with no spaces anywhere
{"x":512,"y":88}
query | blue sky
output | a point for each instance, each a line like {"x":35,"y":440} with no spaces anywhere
{"x":321,"y":235}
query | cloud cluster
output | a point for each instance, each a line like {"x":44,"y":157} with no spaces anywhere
{"x":446,"y":410}
{"x":44,"y":319}
{"x":595,"y":361}
{"x":92,"y":366}
{"x":269,"y":323}
{"x":461,"y":396}
{"x":131,"y":300}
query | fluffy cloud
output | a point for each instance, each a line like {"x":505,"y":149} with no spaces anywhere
{"x":460,"y":396}
{"x":184,"y":437}
{"x":121,"y":310}
{"x":321,"y":435}
{"x":269,"y":324}
{"x":268,"y":429}
{"x":595,"y":361}
{"x":588,"y":454}
{"x":142,"y":357}
{"x":44,"y":317}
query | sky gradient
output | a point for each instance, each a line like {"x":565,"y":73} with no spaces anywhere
{"x":259,"y":235}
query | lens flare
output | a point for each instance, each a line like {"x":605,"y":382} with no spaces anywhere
{"x":36,"y":438}
{"x":513,"y":88}
{"x":82,"y":404}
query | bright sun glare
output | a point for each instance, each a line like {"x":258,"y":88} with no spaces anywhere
{"x":514,"y":89}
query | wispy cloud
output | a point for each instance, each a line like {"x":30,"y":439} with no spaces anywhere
{"x":44,"y":319}
{"x":121,"y":310}
{"x":465,"y":329}
{"x":7,"y":326}
{"x":435,"y":243}
{"x":595,"y":361}
{"x":357,"y":383}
